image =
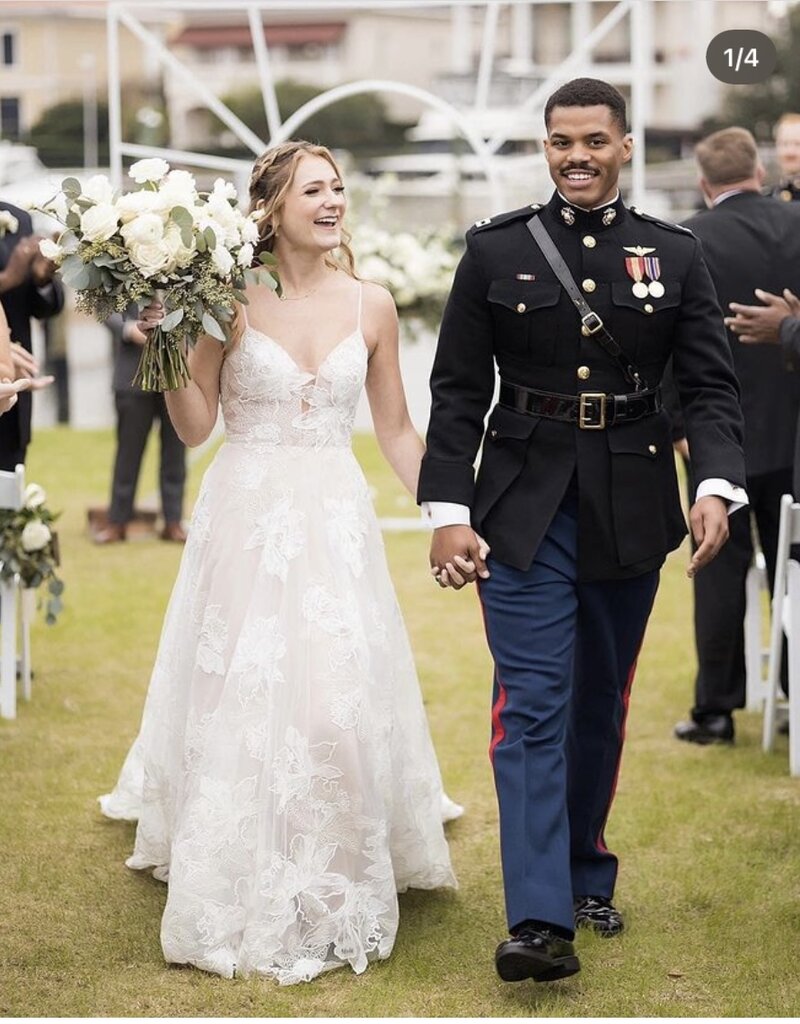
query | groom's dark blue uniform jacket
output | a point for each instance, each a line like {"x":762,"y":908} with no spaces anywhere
{"x":507,"y":306}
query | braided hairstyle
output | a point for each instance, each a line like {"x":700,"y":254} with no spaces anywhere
{"x":270,"y":180}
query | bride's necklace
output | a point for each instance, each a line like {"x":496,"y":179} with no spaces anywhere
{"x":305,"y":295}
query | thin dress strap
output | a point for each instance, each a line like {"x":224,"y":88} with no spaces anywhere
{"x":360,"y":293}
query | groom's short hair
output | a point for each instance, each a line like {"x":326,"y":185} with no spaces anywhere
{"x":589,"y":92}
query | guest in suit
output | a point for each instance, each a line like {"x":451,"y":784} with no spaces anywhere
{"x":787,"y":153}
{"x":137,"y":411}
{"x":749,"y":241}
{"x":576,"y":496}
{"x":28,"y":289}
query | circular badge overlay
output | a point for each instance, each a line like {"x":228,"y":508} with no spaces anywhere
{"x":741,"y":56}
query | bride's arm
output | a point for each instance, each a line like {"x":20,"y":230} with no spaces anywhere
{"x":398,"y":440}
{"x":192,"y":409}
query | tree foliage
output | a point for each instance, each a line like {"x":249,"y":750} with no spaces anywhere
{"x":355,"y":123}
{"x":758,"y":107}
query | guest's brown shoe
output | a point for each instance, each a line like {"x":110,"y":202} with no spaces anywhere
{"x":110,"y":534}
{"x":174,"y":532}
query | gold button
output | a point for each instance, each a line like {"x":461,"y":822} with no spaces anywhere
{"x":584,"y":373}
{"x":652,"y":449}
{"x":589,"y":241}
{"x":521,"y":307}
{"x":648,"y":308}
{"x":492,"y":433}
{"x":585,"y":331}
{"x":588,"y":285}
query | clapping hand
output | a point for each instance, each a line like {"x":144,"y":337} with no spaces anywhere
{"x":756,"y":325}
{"x":9,"y":389}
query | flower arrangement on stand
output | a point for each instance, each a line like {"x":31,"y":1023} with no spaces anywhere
{"x":193,"y":251}
{"x":29,"y":548}
{"x":417,"y":268}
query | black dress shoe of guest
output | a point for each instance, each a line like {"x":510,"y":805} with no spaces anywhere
{"x":599,"y":914}
{"x":540,"y":955}
{"x":711,"y":729}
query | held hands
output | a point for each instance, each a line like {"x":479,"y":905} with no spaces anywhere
{"x":755,"y":325}
{"x":708,"y":519}
{"x":151,"y":316}
{"x":458,"y":556}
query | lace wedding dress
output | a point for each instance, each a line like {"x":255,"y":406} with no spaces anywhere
{"x":284,"y":779}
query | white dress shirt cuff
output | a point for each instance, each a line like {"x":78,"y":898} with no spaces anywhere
{"x":445,"y":513}
{"x":737,"y":496}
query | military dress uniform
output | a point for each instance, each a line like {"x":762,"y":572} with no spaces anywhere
{"x":577,"y":496}
{"x":787,"y":190}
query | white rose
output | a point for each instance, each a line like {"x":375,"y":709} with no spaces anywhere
{"x":99,"y":222}
{"x":222,"y":261}
{"x":147,"y":227}
{"x":99,"y":189}
{"x":245,"y":256}
{"x":153,"y":169}
{"x":132,"y":204}
{"x":181,"y":187}
{"x":153,"y":258}
{"x":249,"y":231}
{"x":224,"y":189}
{"x":50,"y":249}
{"x":35,"y":536}
{"x":181,"y":254}
{"x":34,"y":496}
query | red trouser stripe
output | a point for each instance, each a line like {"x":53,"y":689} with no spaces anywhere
{"x":626,"y":699}
{"x":498,"y":729}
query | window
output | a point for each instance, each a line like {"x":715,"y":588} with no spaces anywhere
{"x":9,"y":48}
{"x":9,"y":117}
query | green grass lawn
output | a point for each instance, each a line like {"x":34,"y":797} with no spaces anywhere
{"x":709,"y":839}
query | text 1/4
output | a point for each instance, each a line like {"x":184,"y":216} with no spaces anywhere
{"x":740,"y":57}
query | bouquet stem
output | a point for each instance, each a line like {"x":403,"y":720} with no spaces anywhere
{"x":163,"y":363}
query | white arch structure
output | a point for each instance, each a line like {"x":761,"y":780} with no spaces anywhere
{"x":121,"y":12}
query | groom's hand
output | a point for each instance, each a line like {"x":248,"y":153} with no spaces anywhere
{"x":458,"y":556}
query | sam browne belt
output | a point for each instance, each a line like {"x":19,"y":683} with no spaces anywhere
{"x":591,"y":410}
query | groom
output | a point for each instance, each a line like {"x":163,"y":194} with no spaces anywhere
{"x":576,"y":495}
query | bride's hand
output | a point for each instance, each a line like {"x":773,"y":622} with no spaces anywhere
{"x":151,"y":316}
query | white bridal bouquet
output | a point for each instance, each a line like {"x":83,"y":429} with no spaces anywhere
{"x":194,"y":251}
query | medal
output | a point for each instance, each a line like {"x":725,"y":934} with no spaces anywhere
{"x":635,"y":267}
{"x":652,"y":266}
{"x":640,"y":290}
{"x":656,"y":289}
{"x":640,"y":265}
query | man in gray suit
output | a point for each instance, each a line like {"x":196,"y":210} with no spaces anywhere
{"x":136,"y":412}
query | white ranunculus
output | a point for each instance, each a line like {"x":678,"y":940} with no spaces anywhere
{"x":50,"y":250}
{"x":35,"y":536}
{"x":153,"y":169}
{"x":181,"y":187}
{"x":222,"y":260}
{"x":147,"y":227}
{"x":34,"y":496}
{"x":153,"y":258}
{"x":99,"y":189}
{"x":99,"y":223}
{"x":224,"y":220}
{"x":245,"y":255}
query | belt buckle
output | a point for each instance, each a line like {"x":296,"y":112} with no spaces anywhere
{"x":592,"y":322}
{"x":586,"y":409}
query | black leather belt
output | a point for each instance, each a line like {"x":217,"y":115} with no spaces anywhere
{"x":591,"y":410}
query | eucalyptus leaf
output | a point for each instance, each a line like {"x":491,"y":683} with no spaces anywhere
{"x":211,"y":238}
{"x":172,"y":319}
{"x":55,"y":587}
{"x":267,"y":258}
{"x":211,"y":327}
{"x":73,"y":220}
{"x":71,"y":188}
{"x":76,"y":275}
{"x":201,"y":242}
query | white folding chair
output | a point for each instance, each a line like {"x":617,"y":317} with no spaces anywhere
{"x":12,"y":491}
{"x":785,"y":619}
{"x":755,"y":653}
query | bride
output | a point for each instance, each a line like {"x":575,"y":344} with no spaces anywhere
{"x":284,"y":779}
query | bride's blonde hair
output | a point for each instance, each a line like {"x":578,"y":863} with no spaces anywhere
{"x":270,"y":180}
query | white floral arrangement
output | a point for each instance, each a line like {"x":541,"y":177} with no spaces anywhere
{"x":8,"y":223}
{"x":29,"y":547}
{"x":194,"y":251}
{"x":416,"y":268}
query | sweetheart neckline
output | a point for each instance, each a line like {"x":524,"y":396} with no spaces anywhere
{"x":293,"y":361}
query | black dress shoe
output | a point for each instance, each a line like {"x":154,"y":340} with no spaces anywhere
{"x":711,"y":729}
{"x":599,"y":914}
{"x":540,"y":955}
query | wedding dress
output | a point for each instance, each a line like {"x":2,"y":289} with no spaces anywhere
{"x":284,"y":779}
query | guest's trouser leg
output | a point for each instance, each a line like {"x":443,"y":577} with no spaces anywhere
{"x":612,"y":617}
{"x":135,"y":414}
{"x":10,"y":459}
{"x":530,"y":619}
{"x":172,"y":472}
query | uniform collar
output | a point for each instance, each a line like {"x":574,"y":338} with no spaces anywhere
{"x":599,"y":219}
